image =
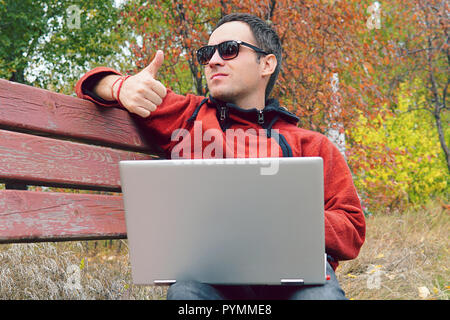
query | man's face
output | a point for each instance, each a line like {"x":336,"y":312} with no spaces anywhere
{"x":234,"y":80}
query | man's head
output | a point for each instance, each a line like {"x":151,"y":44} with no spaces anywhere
{"x":251,"y":73}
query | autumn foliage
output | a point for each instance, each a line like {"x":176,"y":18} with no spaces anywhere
{"x":319,"y":39}
{"x":412,"y":171}
{"x":323,"y":41}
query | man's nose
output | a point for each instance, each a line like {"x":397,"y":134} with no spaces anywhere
{"x":216,"y":59}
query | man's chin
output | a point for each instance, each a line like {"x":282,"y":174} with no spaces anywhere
{"x":220,"y":95}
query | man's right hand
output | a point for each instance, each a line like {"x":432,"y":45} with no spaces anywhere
{"x":141,"y":93}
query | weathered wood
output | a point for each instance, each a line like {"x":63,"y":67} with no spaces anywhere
{"x":27,"y":216}
{"x":51,"y":139}
{"x":43,"y":161}
{"x":32,"y":109}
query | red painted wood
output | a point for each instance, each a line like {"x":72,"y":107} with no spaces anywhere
{"x":49,"y":216}
{"x":39,"y":110}
{"x":35,"y":159}
{"x":27,"y":157}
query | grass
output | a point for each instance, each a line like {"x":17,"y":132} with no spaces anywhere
{"x":405,"y":256}
{"x":70,"y":270}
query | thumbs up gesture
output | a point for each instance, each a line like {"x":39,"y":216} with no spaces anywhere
{"x":156,"y":63}
{"x":142,"y":93}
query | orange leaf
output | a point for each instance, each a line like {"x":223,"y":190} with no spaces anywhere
{"x":368,"y":67}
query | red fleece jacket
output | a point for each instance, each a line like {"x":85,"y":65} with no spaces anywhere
{"x":344,"y":219}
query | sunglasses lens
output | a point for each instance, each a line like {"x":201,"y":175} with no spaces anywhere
{"x":205,"y":54}
{"x":228,"y":50}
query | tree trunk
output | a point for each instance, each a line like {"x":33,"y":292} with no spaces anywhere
{"x":437,"y":117}
{"x":18,"y":76}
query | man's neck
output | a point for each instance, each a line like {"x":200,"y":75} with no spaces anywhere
{"x":250,"y":102}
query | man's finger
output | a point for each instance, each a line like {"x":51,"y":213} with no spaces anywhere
{"x":144,"y":113}
{"x":156,"y":63}
{"x":153,"y":96}
{"x":145,"y":104}
{"x":159,"y":88}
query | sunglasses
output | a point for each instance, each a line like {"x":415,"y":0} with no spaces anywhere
{"x":227,"y":50}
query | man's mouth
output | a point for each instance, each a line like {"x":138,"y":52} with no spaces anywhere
{"x":218,"y":76}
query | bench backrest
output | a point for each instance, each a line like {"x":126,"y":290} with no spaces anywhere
{"x":53,"y":140}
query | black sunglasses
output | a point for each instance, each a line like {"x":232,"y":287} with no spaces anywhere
{"x":227,"y":50}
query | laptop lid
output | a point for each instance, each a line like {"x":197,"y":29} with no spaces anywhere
{"x":225,"y":221}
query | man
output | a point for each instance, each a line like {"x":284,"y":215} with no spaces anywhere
{"x":242,"y":61}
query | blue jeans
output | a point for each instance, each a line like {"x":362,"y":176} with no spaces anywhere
{"x":193,"y":290}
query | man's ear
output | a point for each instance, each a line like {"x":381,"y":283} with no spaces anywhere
{"x":268,"y":64}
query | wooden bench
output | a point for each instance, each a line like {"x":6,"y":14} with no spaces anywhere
{"x":53,"y":140}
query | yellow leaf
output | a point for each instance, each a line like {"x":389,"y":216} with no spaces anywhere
{"x":82,"y":264}
{"x":351,"y":275}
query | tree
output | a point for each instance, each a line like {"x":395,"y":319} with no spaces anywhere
{"x":421,"y":41}
{"x":50,"y":43}
{"x":413,"y":172}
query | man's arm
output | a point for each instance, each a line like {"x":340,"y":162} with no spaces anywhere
{"x":103,"y":87}
{"x":344,"y":218}
{"x":139,"y":94}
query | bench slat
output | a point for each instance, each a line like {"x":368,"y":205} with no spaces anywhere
{"x":28,"y":216}
{"x":45,"y":161}
{"x":46,"y":112}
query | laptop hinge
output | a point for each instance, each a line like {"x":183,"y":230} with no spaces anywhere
{"x":292,"y":281}
{"x":163,"y":282}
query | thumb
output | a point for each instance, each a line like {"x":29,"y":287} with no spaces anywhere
{"x":156,"y":63}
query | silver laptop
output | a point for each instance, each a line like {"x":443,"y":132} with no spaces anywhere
{"x":225,"y":221}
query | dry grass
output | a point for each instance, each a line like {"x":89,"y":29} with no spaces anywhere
{"x":70,"y":270}
{"x":403,"y":252}
{"x":405,"y":256}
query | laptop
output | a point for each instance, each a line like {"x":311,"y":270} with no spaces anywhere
{"x":225,"y":221}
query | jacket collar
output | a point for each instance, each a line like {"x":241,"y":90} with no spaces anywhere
{"x":264,"y":117}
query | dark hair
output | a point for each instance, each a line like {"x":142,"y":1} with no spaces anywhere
{"x":266,"y":39}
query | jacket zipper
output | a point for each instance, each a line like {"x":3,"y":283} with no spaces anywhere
{"x":223,"y":114}
{"x":261,"y":117}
